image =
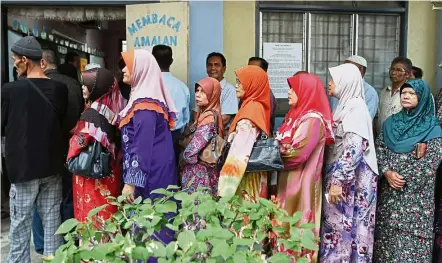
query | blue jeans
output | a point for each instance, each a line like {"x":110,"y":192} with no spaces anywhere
{"x":37,"y":231}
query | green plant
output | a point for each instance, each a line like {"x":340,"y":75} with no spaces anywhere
{"x":236,"y":229}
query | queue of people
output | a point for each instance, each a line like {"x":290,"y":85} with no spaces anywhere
{"x":372,"y":192}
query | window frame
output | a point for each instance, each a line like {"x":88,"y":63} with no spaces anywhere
{"x":307,"y":10}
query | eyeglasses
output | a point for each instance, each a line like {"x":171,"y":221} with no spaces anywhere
{"x":399,"y":70}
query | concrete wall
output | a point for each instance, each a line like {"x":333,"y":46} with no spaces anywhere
{"x":422,"y":40}
{"x":239,"y":35}
{"x":206,"y":36}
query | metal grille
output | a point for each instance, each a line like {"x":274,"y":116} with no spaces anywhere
{"x":378,"y":43}
{"x":330,"y":43}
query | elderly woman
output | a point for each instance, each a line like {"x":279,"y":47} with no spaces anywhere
{"x":253,"y":89}
{"x":195,"y":173}
{"x":409,"y":150}
{"x":351,"y":174}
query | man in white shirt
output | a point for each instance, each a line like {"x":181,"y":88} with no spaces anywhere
{"x":216,"y":67}
{"x":389,"y":97}
{"x":177,"y":89}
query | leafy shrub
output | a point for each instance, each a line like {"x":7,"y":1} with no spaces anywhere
{"x":236,"y":229}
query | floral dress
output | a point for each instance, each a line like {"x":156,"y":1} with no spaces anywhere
{"x":404,"y":220}
{"x":196,"y":174}
{"x":233,"y":178}
{"x":348,"y":227}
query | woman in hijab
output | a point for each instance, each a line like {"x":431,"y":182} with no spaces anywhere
{"x":350,"y":174}
{"x":97,"y":123}
{"x":252,"y":119}
{"x":146,"y":123}
{"x":303,"y":136}
{"x":195,"y":173}
{"x":409,"y":150}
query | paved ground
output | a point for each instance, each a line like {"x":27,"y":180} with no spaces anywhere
{"x":35,"y":258}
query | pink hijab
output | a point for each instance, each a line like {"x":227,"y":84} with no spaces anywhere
{"x":148,"y":91}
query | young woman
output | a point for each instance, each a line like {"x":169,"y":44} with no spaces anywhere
{"x":253,"y":89}
{"x":303,"y":136}
{"x":350,"y":175}
{"x":97,"y":123}
{"x":195,"y":173}
{"x":409,"y":153}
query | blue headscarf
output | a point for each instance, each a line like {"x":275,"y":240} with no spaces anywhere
{"x":403,"y":130}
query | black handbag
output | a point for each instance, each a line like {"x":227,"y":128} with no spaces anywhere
{"x":93,"y":162}
{"x":265,"y":155}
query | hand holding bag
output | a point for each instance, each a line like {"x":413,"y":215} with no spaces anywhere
{"x":211,"y":154}
{"x":213,"y":151}
{"x":265,"y":155}
{"x":93,"y":162}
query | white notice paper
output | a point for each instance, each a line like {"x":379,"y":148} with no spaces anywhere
{"x":285,"y":59}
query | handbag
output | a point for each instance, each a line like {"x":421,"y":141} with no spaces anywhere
{"x":265,"y":155}
{"x":93,"y":162}
{"x":214,"y":149}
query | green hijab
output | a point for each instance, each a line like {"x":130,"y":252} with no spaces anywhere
{"x":403,"y":130}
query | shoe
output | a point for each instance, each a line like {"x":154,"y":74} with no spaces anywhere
{"x":39,"y":251}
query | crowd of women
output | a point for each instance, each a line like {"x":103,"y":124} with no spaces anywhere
{"x":372,"y":200}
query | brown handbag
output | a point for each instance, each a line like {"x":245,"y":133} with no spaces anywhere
{"x":214,"y":149}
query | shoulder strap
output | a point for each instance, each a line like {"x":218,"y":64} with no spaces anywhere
{"x":215,"y":116}
{"x":41,"y":94}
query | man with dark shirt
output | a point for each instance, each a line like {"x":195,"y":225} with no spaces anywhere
{"x":71,"y":66}
{"x":32,"y":112}
{"x":74,"y":108}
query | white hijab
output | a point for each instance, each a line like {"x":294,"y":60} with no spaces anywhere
{"x":351,"y":114}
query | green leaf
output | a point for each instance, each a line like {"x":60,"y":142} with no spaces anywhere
{"x":67,"y":226}
{"x":295,"y":233}
{"x":307,"y":242}
{"x":173,"y":187}
{"x":168,"y":207}
{"x":111,"y":228}
{"x":302,"y":260}
{"x":242,"y":241}
{"x":171,"y":248}
{"x":95,"y":211}
{"x":140,"y":253}
{"x":221,"y":249}
{"x":280,"y":258}
{"x":161,"y":191}
{"x":121,"y":199}
{"x":181,"y":196}
{"x":159,"y":250}
{"x":162,"y":260}
{"x":240,"y":258}
{"x":138,"y":200}
{"x":128,"y":224}
{"x":296,"y":217}
{"x":172,"y":227}
{"x":266,"y":203}
{"x":101,"y":250}
{"x":60,"y":257}
{"x":186,"y":240}
{"x":308,"y":226}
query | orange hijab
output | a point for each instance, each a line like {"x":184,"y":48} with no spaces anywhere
{"x":256,"y":101}
{"x":204,"y":116}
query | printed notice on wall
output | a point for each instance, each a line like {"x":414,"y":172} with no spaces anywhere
{"x":285,"y":59}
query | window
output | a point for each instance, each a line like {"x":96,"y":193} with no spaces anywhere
{"x":329,"y":38}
